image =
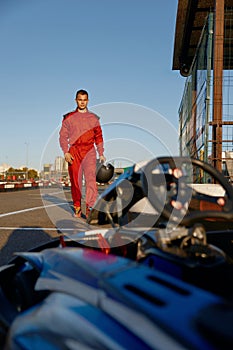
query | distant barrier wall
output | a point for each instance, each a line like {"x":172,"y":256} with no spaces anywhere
{"x":4,"y":187}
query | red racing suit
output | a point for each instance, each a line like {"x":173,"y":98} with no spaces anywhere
{"x":80,"y":135}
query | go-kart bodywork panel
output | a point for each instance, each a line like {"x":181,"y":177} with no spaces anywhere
{"x":127,"y":297}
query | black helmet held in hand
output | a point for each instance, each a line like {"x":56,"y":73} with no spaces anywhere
{"x":104,"y":172}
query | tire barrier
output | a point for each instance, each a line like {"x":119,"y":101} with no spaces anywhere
{"x":16,"y":186}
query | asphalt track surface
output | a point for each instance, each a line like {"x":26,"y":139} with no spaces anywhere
{"x":30,"y":218}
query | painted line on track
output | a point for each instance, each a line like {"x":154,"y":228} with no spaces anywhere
{"x":37,"y":229}
{"x":31,"y":209}
{"x":30,"y":228}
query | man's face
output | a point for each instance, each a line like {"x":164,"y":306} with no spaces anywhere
{"x":82,"y":101}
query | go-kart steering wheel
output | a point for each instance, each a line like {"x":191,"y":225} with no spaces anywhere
{"x":169,"y":183}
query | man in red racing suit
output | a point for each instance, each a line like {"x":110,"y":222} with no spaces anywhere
{"x":80,"y":136}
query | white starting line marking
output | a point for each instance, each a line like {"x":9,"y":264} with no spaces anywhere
{"x":49,"y":193}
{"x":38,"y":229}
{"x":31,"y":209}
{"x":30,"y":228}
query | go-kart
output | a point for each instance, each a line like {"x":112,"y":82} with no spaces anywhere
{"x":188,"y":229}
{"x":154,"y":271}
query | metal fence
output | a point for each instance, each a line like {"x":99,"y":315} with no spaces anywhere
{"x":195,"y":112}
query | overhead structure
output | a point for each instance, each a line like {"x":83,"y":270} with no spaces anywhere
{"x":190,"y":20}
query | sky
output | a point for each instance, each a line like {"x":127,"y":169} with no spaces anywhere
{"x":120,"y":51}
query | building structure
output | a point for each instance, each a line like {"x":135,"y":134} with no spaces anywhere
{"x":59,"y":163}
{"x":203,"y":53}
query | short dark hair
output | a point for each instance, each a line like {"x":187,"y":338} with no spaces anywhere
{"x":81,"y":92}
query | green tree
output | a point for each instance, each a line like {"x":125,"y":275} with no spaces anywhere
{"x":20,"y":173}
{"x":32,"y":174}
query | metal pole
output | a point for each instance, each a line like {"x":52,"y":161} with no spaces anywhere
{"x":217,"y":84}
{"x":208,"y":84}
{"x":27,"y":144}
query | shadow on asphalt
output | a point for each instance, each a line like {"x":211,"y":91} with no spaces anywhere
{"x":24,"y":239}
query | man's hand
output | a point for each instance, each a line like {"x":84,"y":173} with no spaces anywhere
{"x":102,"y":159}
{"x":68,"y":158}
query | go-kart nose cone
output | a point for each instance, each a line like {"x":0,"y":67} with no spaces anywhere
{"x":104,"y":172}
